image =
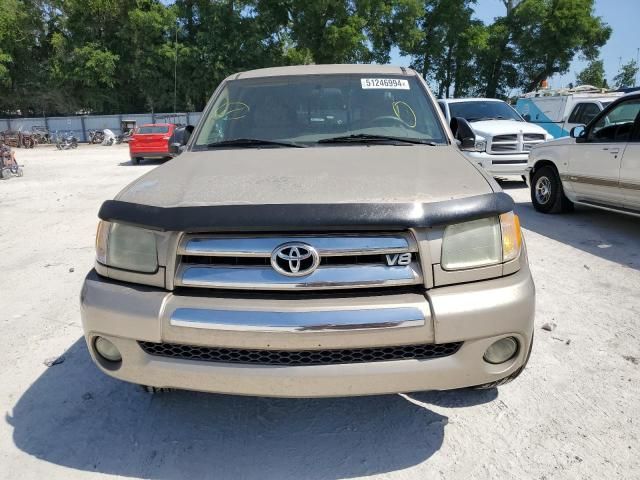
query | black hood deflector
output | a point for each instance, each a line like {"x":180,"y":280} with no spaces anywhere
{"x":306,"y":217}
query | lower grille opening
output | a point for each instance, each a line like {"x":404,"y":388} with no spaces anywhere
{"x":301,"y":357}
{"x":301,"y":296}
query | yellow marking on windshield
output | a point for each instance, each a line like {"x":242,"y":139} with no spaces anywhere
{"x":407,"y":108}
{"x":232,"y":110}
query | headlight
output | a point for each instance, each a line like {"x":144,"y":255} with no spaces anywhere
{"x":511,"y":236}
{"x":125,"y":247}
{"x":481,"y":145}
{"x":480,"y":243}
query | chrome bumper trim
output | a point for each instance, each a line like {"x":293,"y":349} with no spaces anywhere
{"x":288,"y":321}
{"x":266,"y":278}
{"x":264,"y":246}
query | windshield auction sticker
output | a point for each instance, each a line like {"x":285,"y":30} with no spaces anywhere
{"x":393,"y":83}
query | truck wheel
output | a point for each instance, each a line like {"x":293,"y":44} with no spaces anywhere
{"x":547,"y":194}
{"x":508,"y":378}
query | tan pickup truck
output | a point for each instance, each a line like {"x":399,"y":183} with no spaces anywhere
{"x":320,"y":235}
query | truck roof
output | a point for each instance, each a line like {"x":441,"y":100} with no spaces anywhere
{"x":578,"y":92}
{"x":367,"y":69}
{"x":576,"y":97}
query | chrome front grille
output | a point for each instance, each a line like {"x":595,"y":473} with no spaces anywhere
{"x":515,"y":143}
{"x":266,"y":261}
{"x":533,"y":137}
{"x":505,"y":143}
{"x":530,"y":140}
{"x":345,"y":261}
{"x":505,"y":138}
{"x":504,"y":147}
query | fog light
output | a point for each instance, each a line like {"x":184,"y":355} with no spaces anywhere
{"x":107,"y":349}
{"x":501,"y":351}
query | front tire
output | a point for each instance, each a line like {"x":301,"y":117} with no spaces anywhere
{"x":547,"y":194}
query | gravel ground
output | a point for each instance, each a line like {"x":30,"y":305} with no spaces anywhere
{"x":574,"y":413}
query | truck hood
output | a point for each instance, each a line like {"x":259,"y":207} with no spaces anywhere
{"x":491,"y":128}
{"x":558,"y":142}
{"x":317,"y":175}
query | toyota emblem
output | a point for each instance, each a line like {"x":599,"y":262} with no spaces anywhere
{"x":295,"y":259}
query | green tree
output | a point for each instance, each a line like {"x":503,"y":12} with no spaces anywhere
{"x":443,"y":43}
{"x":627,"y":75}
{"x":338,"y":31}
{"x":24,"y":50}
{"x":593,"y":74}
{"x":148,"y":57}
{"x":111,"y":55}
{"x":497,"y":67}
{"x":537,"y":39}
{"x":108,"y":56}
{"x":551,"y":33}
{"x":218,"y":38}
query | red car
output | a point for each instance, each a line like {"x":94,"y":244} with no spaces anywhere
{"x":151,"y":141}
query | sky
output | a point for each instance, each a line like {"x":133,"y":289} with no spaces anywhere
{"x":621,"y":15}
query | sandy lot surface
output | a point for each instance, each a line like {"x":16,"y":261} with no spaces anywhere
{"x":573,"y":414}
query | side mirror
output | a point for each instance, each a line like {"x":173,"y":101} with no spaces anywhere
{"x":463,"y":132}
{"x":578,"y":132}
{"x":180,"y":138}
{"x":527,"y":117}
{"x":177,"y":148}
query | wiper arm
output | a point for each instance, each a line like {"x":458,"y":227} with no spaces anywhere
{"x":369,"y":138}
{"x":253,"y":142}
{"x":481,"y":119}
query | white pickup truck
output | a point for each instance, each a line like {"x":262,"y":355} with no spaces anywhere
{"x":598,"y":165}
{"x":503,"y":137}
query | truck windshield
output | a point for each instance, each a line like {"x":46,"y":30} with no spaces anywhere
{"x":479,"y":111}
{"x":313,"y":110}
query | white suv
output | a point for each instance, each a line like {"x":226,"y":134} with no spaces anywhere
{"x":598,"y":165}
{"x":503,"y":138}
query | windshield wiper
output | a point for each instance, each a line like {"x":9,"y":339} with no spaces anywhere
{"x":253,"y":142}
{"x":481,"y":119}
{"x":369,"y":138}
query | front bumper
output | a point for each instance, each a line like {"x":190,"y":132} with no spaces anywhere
{"x":528,"y":174}
{"x":477,"y":314}
{"x":150,"y":154}
{"x":515,"y":164}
